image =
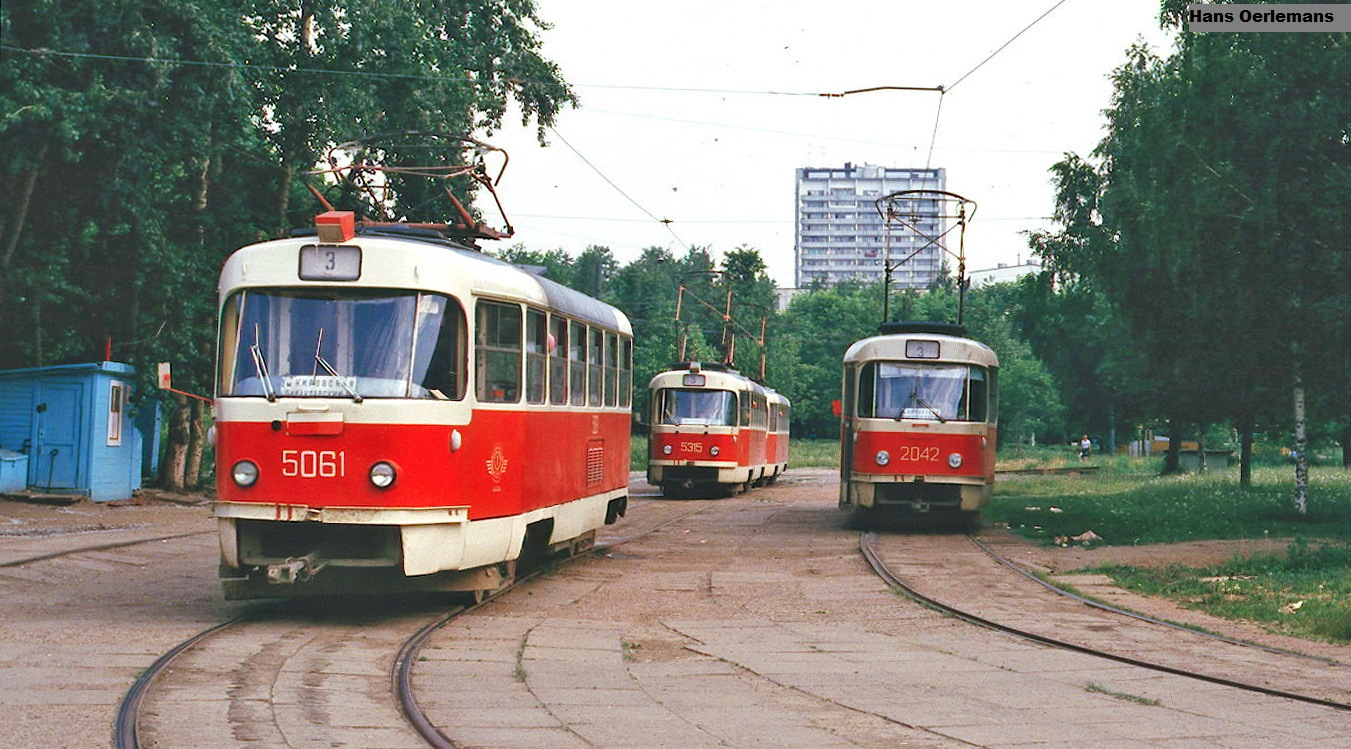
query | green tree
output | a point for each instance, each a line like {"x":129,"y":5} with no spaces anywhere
{"x":1207,"y":222}
{"x":147,"y":141}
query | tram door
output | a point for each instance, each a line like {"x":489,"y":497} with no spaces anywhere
{"x":55,"y":459}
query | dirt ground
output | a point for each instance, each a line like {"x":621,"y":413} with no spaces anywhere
{"x":153,"y":507}
{"x":35,"y":518}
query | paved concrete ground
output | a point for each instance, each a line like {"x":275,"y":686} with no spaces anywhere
{"x":749,"y":621}
{"x":755,"y":623}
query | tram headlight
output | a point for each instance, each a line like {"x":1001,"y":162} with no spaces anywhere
{"x":665,"y":449}
{"x":883,"y":457}
{"x":955,"y":460}
{"x":382,"y":475}
{"x":714,"y":451}
{"x":245,"y":473}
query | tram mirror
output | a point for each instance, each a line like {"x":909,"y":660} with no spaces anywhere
{"x":837,"y":407}
{"x":165,"y":377}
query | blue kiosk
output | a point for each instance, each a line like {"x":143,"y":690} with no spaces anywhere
{"x":69,"y":430}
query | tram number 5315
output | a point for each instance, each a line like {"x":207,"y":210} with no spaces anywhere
{"x":310,"y":464}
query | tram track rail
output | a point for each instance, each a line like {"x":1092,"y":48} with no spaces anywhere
{"x":99,"y":547}
{"x":402,"y":672}
{"x":126,"y":729}
{"x":1030,"y":575}
{"x":126,"y":726}
{"x":867,"y":546}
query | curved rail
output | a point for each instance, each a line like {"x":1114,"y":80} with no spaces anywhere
{"x":125,"y":727}
{"x":402,"y":672}
{"x":402,"y":675}
{"x":880,"y":568}
{"x":98,"y":547}
{"x":1136,"y":615}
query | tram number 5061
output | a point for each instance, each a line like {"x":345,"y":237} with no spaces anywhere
{"x":310,"y":464}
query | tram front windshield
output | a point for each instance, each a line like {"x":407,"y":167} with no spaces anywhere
{"x":931,"y":392}
{"x":696,"y":407}
{"x":342,"y":343}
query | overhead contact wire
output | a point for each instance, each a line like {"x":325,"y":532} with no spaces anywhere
{"x":664,"y":222}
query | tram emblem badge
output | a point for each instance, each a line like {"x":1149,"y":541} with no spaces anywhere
{"x":497,"y":464}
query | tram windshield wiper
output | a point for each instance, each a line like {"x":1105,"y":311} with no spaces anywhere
{"x":260,"y":366}
{"x":918,"y":401}
{"x":320,"y":361}
{"x":341,"y":380}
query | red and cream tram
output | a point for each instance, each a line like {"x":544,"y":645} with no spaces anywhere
{"x":714,"y":429}
{"x":918,"y":421}
{"x":398,"y":411}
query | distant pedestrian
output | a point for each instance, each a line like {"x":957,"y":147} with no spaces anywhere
{"x":1085,"y":446}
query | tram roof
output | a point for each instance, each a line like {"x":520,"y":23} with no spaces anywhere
{"x":717,"y":376}
{"x":892,"y":347}
{"x":482,"y":274}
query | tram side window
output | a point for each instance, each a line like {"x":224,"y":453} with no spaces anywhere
{"x":577,"y":363}
{"x":536,"y":355}
{"x":558,"y":361}
{"x":626,"y":373}
{"x":759,"y":411}
{"x":865,"y":376}
{"x":744,"y":398}
{"x":992,"y":412}
{"x":499,"y":352}
{"x":594,"y":367}
{"x":438,"y":362}
{"x":611,"y":369}
{"x":773,"y":413}
{"x":975,"y":401}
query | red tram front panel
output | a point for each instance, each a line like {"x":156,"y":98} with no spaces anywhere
{"x":492,"y":468}
{"x":924,"y":453}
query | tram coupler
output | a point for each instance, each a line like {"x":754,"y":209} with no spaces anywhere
{"x":296,"y":569}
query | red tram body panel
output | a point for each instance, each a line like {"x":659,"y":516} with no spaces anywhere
{"x":919,"y":413}
{"x":393,"y":410}
{"x":714,"y":428}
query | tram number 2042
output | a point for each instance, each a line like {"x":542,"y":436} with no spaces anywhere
{"x":311,"y":464}
{"x":915,"y":453}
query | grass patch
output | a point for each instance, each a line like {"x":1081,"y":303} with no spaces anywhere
{"x":628,"y":648}
{"x":808,"y":453}
{"x":519,"y":673}
{"x":1306,"y":593}
{"x":1099,"y":689}
{"x":1130,"y":508}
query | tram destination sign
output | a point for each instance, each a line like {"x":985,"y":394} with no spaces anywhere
{"x":330,"y":262}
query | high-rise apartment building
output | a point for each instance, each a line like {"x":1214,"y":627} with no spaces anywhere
{"x":840,"y":234}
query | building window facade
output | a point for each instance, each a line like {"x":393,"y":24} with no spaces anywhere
{"x":839,"y":234}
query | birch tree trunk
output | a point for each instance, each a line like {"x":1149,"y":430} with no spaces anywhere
{"x":1301,"y":446}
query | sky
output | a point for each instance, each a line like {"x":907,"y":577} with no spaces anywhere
{"x":692,"y":118}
